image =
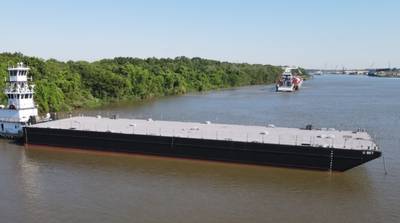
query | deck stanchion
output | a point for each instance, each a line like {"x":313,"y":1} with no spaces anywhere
{"x":133,"y":128}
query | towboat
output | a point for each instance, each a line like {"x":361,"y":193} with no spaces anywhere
{"x":290,"y":80}
{"x":21,"y":109}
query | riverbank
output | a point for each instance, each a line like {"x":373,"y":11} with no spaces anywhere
{"x":65,"y":86}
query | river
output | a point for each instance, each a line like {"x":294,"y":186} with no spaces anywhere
{"x":43,"y":184}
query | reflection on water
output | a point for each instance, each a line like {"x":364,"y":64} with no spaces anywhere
{"x":41,"y":184}
{"x":160,"y":187}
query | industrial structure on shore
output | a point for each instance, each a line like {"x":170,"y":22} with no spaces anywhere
{"x":376,"y":72}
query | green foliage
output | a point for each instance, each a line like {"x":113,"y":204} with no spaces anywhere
{"x":62,"y":86}
{"x":304,"y":73}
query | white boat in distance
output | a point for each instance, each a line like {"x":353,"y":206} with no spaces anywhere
{"x":290,"y":80}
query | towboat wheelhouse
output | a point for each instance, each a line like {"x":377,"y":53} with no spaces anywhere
{"x":20,"y":108}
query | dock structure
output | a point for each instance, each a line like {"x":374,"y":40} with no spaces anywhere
{"x":269,"y":134}
{"x":323,"y":149}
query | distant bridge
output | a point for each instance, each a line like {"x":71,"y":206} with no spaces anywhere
{"x":350,"y":71}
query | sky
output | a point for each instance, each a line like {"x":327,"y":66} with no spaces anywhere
{"x":308,"y":33}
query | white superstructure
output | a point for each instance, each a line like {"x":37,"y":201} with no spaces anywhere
{"x":20,"y":104}
{"x":290,"y":80}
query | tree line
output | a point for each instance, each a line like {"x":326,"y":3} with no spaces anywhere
{"x":63,"y":86}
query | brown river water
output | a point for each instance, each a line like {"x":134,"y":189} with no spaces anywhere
{"x":44,"y":184}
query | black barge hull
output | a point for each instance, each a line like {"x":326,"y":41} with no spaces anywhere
{"x":229,"y":151}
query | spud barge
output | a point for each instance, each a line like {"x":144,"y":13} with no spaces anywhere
{"x":322,"y":149}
